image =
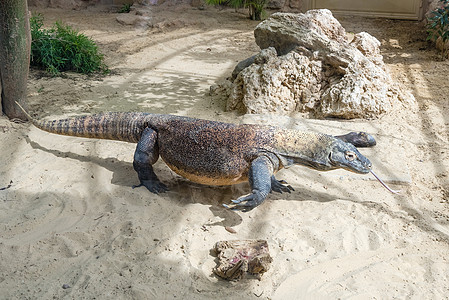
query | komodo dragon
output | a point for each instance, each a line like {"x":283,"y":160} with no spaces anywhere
{"x":216,"y":153}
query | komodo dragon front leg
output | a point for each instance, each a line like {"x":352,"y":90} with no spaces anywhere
{"x":147,"y":153}
{"x":262,"y":182}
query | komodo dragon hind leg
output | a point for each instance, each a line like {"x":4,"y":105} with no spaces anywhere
{"x":358,"y":139}
{"x":147,"y":153}
{"x":262,"y":182}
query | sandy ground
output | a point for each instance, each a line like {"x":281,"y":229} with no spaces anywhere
{"x":71,"y":217}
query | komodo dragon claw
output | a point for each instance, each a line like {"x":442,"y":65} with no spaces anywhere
{"x":279,"y":186}
{"x":248,"y":202}
{"x":154,"y":186}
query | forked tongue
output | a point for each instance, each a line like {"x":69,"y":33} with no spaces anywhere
{"x":384,"y":184}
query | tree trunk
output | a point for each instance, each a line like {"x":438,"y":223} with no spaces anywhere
{"x":15,"y":45}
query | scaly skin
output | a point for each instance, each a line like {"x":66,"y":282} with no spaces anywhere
{"x":216,"y":153}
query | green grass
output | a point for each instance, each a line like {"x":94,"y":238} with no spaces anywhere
{"x":256,"y":8}
{"x":438,"y":25}
{"x":62,"y":48}
{"x":126,"y":8}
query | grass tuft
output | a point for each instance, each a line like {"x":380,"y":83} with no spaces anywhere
{"x":62,"y":48}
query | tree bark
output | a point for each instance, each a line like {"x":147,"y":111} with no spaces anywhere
{"x":15,"y":46}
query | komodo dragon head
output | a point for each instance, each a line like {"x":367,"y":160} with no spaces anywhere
{"x":346,"y":156}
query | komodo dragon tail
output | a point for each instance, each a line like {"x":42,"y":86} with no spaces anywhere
{"x":123,"y":126}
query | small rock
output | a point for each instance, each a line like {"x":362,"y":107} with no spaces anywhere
{"x":230,"y":229}
{"x":235,"y":258}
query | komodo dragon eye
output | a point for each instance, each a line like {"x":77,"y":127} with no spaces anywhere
{"x":349,"y":155}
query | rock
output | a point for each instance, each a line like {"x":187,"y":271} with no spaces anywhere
{"x":66,"y":286}
{"x":368,"y":46}
{"x":276,"y":84}
{"x":313,"y":30}
{"x":132,"y":19}
{"x":139,"y":16}
{"x":237,"y":257}
{"x":307,"y":64}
